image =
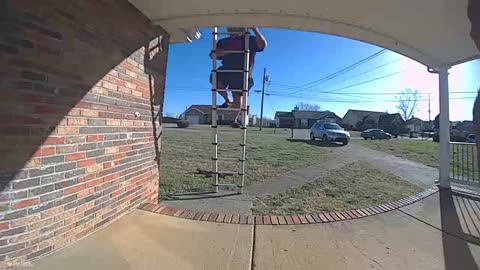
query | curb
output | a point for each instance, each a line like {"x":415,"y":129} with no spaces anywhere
{"x":324,"y":217}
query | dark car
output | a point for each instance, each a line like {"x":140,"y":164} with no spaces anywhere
{"x":375,"y":134}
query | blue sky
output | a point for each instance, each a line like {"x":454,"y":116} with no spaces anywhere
{"x":296,"y":58}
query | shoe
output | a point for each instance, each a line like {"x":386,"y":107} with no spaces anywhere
{"x":235,"y":125}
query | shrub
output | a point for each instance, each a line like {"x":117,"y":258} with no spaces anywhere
{"x":183,"y":124}
{"x":171,"y":120}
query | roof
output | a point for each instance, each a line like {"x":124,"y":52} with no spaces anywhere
{"x":204,"y":109}
{"x":387,"y":119}
{"x":283,"y":114}
{"x":414,"y":120}
{"x":362,"y":114}
{"x":311,"y":114}
{"x":436,"y":33}
{"x":304,"y":114}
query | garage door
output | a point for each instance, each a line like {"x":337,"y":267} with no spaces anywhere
{"x":193,"y":119}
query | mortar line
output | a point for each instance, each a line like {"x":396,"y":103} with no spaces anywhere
{"x":252,"y":255}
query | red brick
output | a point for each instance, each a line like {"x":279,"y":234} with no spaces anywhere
{"x":289,"y":220}
{"x":340,"y":215}
{"x":44,"y":151}
{"x":4,"y":226}
{"x":303,"y":219}
{"x":334,"y":216}
{"x":212,"y":217}
{"x":86,"y":162}
{"x":329,"y":217}
{"x":220,"y":217}
{"x":118,"y":192}
{"x":67,"y":130}
{"x":274,"y":220}
{"x":235,"y":219}
{"x":296,"y":220}
{"x":94,"y":183}
{"x":54,"y":140}
{"x":77,"y":122}
{"x":95,"y":138}
{"x":310,"y":219}
{"x":281,"y":220}
{"x":227,"y":218}
{"x":74,"y":189}
{"x":250,"y":219}
{"x":25,"y":203}
{"x":267,"y":220}
{"x":75,"y":156}
{"x":323,"y":217}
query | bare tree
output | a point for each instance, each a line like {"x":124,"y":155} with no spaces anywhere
{"x":408,"y":102}
{"x":307,"y":107}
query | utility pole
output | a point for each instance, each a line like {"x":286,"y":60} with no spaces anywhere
{"x":263,"y":96}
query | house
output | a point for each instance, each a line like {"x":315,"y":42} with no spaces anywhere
{"x":392,"y":123}
{"x":284,"y":119}
{"x":465,"y":127}
{"x":202,"y":114}
{"x":360,"y":120}
{"x":416,"y":125}
{"x":303,"y":119}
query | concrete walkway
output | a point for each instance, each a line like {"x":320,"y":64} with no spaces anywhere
{"x":440,"y":232}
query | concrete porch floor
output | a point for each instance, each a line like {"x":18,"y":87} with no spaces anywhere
{"x":440,"y":232}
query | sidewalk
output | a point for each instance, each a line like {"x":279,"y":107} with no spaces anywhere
{"x":440,"y":232}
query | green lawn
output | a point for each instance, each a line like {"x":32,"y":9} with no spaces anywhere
{"x":355,"y":133}
{"x":426,"y":152}
{"x":184,"y":151}
{"x":354,"y":186}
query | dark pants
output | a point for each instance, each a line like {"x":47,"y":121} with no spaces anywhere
{"x":232,"y":80}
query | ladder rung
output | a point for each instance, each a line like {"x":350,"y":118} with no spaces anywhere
{"x":228,"y":143}
{"x":230,"y":109}
{"x":234,"y":51}
{"x":226,"y":185}
{"x":227,"y":158}
{"x":230,"y":70}
{"x":231,"y":90}
{"x":230,"y":33}
{"x":226,"y":172}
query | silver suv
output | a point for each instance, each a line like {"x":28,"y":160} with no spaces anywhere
{"x":329,"y":132}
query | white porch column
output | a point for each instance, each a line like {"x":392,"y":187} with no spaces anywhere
{"x":444,"y":132}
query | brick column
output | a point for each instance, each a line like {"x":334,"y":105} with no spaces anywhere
{"x":76,"y":134}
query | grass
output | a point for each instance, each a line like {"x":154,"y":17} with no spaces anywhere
{"x":184,"y":151}
{"x":428,"y":152}
{"x":355,"y":133}
{"x":354,"y":186}
{"x":425,"y":152}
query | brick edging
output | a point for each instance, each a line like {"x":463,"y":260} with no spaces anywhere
{"x":324,"y":217}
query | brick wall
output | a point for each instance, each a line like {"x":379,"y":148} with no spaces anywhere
{"x":77,"y":138}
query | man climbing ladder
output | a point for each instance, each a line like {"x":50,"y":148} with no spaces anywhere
{"x":231,"y":51}
{"x":237,"y":53}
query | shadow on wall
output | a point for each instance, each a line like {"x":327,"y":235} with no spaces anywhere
{"x":456,"y":250}
{"x":155,"y":55}
{"x":49,"y":63}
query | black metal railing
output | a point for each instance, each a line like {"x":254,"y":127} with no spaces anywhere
{"x":464,"y":163}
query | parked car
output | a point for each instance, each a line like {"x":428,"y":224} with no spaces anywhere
{"x":374,"y":134}
{"x":470,"y":138}
{"x":329,"y":132}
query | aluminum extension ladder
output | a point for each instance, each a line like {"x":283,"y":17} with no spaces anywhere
{"x":215,"y":110}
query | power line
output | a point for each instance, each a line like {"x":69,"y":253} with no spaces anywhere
{"x":349,"y":78}
{"x":357,"y":84}
{"x":338,"y":73}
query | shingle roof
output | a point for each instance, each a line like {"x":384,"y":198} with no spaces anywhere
{"x":205,"y":109}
